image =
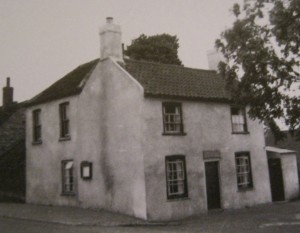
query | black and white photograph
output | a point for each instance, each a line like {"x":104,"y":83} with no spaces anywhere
{"x":145,"y":116}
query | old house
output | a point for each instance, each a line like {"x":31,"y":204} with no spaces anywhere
{"x":12,"y":147}
{"x":150,"y":140}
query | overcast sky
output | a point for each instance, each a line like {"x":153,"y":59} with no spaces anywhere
{"x":42,"y":40}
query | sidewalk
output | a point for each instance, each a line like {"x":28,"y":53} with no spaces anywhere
{"x":67,"y":215}
{"x":256,"y":217}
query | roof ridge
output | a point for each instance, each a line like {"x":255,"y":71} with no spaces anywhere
{"x":173,"y":65}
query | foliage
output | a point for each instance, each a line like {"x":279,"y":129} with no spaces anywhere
{"x":159,"y":48}
{"x":262,"y":57}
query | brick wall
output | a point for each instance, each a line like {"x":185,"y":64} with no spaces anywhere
{"x":12,"y":130}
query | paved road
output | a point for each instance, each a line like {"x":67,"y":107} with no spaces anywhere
{"x":24,"y":226}
{"x":275,"y":218}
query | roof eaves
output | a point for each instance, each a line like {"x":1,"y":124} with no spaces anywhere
{"x":38,"y":99}
{"x":191,"y":98}
{"x":31,"y":104}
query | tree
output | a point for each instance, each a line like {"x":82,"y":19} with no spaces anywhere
{"x":262,"y":60}
{"x":159,"y":48}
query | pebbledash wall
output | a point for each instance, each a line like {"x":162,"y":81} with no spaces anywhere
{"x":115,"y":127}
{"x":208,"y":128}
{"x":119,"y":130}
{"x":105,"y":130}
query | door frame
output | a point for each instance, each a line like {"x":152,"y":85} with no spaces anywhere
{"x":282,"y":177}
{"x":219,"y":181}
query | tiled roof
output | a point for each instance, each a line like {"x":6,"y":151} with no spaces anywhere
{"x":158,"y":80}
{"x":163,"y":80}
{"x":70,"y":84}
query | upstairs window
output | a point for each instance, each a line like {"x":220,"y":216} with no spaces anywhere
{"x":238,"y":119}
{"x":64,"y":120}
{"x":37,"y":127}
{"x":68,"y":181}
{"x":176,"y":177}
{"x":243,"y":170}
{"x":172,"y":118}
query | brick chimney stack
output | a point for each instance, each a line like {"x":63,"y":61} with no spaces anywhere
{"x":8,"y":92}
{"x":110,"y":41}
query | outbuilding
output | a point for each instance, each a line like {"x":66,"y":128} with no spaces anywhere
{"x":283,"y":173}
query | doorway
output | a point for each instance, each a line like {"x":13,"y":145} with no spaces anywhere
{"x":212,"y":185}
{"x":276,"y":179}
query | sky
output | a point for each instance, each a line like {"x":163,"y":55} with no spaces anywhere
{"x":42,"y":40}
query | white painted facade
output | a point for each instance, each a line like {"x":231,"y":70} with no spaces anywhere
{"x":116,"y":128}
{"x":120,"y":132}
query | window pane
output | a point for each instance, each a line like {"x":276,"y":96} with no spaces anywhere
{"x":169,"y":108}
{"x":64,"y":120}
{"x":68,"y":177}
{"x":243,"y":170}
{"x":238,"y":120}
{"x":36,"y":125}
{"x":69,"y":165}
{"x":172,"y":118}
{"x":175,"y":177}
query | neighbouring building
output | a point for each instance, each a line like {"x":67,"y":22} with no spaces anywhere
{"x":283,"y":174}
{"x":150,"y":140}
{"x":12,"y":147}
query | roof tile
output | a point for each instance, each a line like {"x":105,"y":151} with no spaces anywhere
{"x":163,"y":80}
{"x":158,"y":80}
{"x":70,"y":84}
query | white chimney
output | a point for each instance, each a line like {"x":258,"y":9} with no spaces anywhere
{"x":110,"y":41}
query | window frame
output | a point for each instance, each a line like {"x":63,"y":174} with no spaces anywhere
{"x":177,"y":105}
{"x":247,"y":175}
{"x":184,"y":194}
{"x":64,"y":119}
{"x":71,"y":182}
{"x":36,"y":126}
{"x":245,"y":126}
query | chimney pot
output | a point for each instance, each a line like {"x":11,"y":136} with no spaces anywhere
{"x":7,"y":94}
{"x":8,"y":81}
{"x":109,"y":19}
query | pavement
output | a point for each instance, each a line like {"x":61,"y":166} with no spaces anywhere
{"x":67,"y":215}
{"x":263,"y":214}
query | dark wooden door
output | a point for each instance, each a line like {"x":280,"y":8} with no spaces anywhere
{"x":212,"y":185}
{"x":276,"y":179}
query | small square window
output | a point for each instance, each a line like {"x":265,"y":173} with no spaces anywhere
{"x":238,"y":119}
{"x":176,"y":177}
{"x":172,"y":118}
{"x":86,"y":170}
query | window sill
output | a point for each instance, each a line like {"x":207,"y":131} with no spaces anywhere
{"x":37,"y":142}
{"x":246,"y":132}
{"x":86,"y":179}
{"x":66,"y":138}
{"x":246,"y":189}
{"x":178,"y":199}
{"x":68,"y":194}
{"x":174,"y":134}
